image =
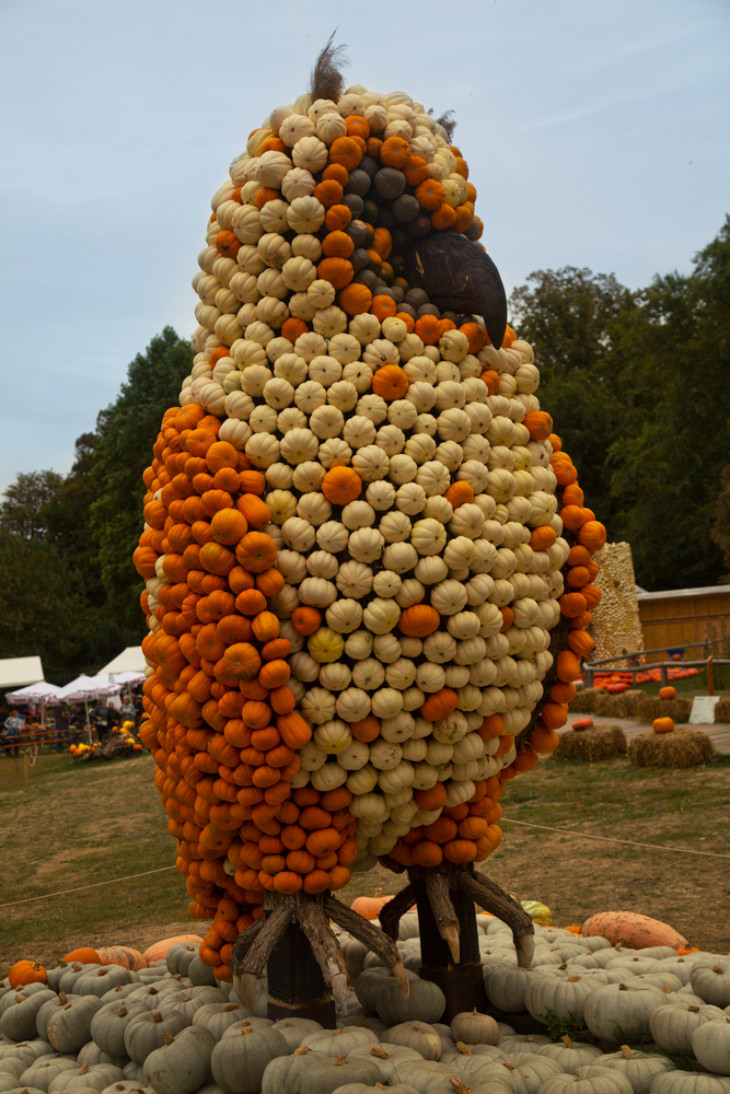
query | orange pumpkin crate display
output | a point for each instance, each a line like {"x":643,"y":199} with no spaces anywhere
{"x":326,"y":473}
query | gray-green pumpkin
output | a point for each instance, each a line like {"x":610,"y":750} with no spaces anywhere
{"x":182,"y":1064}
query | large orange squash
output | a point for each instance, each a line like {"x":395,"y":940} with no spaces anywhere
{"x":158,"y":950}
{"x":633,"y":930}
{"x":126,"y":956}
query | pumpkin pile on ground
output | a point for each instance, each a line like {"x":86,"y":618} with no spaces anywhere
{"x":368,"y":563}
{"x":587,"y":1015}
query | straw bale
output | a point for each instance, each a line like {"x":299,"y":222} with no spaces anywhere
{"x":677,"y":709}
{"x":633,"y":700}
{"x":722,"y":710}
{"x":677,"y":749}
{"x":596,"y":743}
{"x":583,"y":702}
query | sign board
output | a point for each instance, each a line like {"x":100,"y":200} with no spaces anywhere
{"x":703,"y":710}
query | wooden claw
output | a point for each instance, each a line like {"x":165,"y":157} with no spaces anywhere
{"x":392,"y":912}
{"x":399,"y":971}
{"x":525,"y":947}
{"x":339,"y":990}
{"x":437,"y":887}
{"x":492,"y":898}
{"x":313,"y":920}
{"x":260,"y":949}
{"x":450,"y":935}
{"x":360,"y":928}
{"x":245,"y":985}
{"x":244,"y":941}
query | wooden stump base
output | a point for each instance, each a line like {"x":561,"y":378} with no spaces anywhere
{"x":463,"y":987}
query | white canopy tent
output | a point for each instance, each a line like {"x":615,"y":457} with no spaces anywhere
{"x":42,"y":692}
{"x":88,"y":687}
{"x":130,"y":659}
{"x":17,"y":671}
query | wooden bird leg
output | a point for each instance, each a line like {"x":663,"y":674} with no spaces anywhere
{"x":257,"y":946}
{"x":396,"y":907}
{"x":488,"y":895}
{"x":376,"y":940}
{"x":437,"y":889}
{"x":252,"y":950}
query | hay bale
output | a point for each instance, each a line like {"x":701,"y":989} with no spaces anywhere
{"x":722,"y":710}
{"x":677,"y":709}
{"x":584,"y":700}
{"x":616,"y":705}
{"x":677,"y":749}
{"x":602,"y":704}
{"x":633,"y":699}
{"x":644,"y":710}
{"x":596,"y":743}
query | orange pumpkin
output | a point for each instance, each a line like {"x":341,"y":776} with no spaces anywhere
{"x":668,"y":692}
{"x":84,"y":955}
{"x":662,"y":725}
{"x":390,"y":382}
{"x":439,"y":705}
{"x":256,"y":552}
{"x":419,"y":620}
{"x":341,"y":485}
{"x":369,"y":906}
{"x":27,"y":972}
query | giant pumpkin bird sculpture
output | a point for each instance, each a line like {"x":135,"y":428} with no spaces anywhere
{"x":368,"y":565}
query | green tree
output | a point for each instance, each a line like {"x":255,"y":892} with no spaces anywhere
{"x":126,"y":431}
{"x":721,"y":527}
{"x":637,"y":387}
{"x":667,"y":463}
{"x":575,"y":320}
{"x":28,"y":503}
{"x":44,"y":611}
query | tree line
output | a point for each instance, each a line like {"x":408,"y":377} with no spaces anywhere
{"x":637,"y":382}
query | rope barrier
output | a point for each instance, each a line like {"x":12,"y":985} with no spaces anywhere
{"x":83,"y":888}
{"x":610,"y":839}
{"x":504,"y":820}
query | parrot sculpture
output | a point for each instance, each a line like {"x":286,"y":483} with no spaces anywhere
{"x":368,"y":564}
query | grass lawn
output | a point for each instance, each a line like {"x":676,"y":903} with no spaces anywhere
{"x":86,"y":857}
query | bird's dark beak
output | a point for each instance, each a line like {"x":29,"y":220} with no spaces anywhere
{"x":458,"y":275}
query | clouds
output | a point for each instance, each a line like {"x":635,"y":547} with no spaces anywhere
{"x":597,"y":135}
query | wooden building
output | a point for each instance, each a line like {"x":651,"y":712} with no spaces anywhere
{"x":691,"y":623}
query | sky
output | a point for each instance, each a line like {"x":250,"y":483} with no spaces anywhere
{"x":597,"y":135}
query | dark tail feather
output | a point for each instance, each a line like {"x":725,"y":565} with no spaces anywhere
{"x":327,"y":81}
